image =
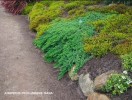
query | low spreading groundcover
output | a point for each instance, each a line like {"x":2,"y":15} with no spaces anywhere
{"x":63,"y":42}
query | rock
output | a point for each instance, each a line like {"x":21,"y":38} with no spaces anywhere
{"x":86,"y":84}
{"x":101,"y":80}
{"x":97,"y":96}
{"x":72,"y":75}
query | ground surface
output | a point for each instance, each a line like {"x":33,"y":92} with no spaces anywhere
{"x":22,"y":68}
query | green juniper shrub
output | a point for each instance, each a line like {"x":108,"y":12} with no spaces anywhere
{"x":127,"y":61}
{"x":117,"y":84}
{"x":62,"y":43}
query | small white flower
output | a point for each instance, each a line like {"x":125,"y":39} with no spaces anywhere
{"x":123,"y":77}
{"x":119,"y":87}
{"x":130,"y":82}
{"x":125,"y":72}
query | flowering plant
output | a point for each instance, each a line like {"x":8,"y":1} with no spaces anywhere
{"x":117,"y":84}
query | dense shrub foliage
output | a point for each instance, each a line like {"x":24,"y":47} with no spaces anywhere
{"x":15,"y":6}
{"x":117,"y":84}
{"x":114,"y":35}
{"x":127,"y":61}
{"x":63,"y":42}
{"x":45,"y":13}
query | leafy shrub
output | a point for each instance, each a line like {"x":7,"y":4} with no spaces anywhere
{"x":127,"y":61}
{"x":114,"y":35}
{"x":117,"y":84}
{"x":15,"y":6}
{"x":62,"y":43}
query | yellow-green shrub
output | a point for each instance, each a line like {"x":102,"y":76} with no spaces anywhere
{"x":36,"y":10}
{"x":72,"y":5}
{"x":42,"y":13}
{"x":78,"y":11}
{"x":41,"y":29}
{"x":98,"y":45}
{"x":115,"y":35}
{"x":122,"y":48}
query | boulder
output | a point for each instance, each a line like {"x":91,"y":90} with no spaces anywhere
{"x":86,"y":84}
{"x":101,"y":80}
{"x":97,"y":96}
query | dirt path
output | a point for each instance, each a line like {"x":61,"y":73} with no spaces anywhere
{"x":22,"y":68}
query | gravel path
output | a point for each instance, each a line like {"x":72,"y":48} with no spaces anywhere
{"x":22,"y":68}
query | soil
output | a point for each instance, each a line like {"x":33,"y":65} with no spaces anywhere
{"x":97,"y":66}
